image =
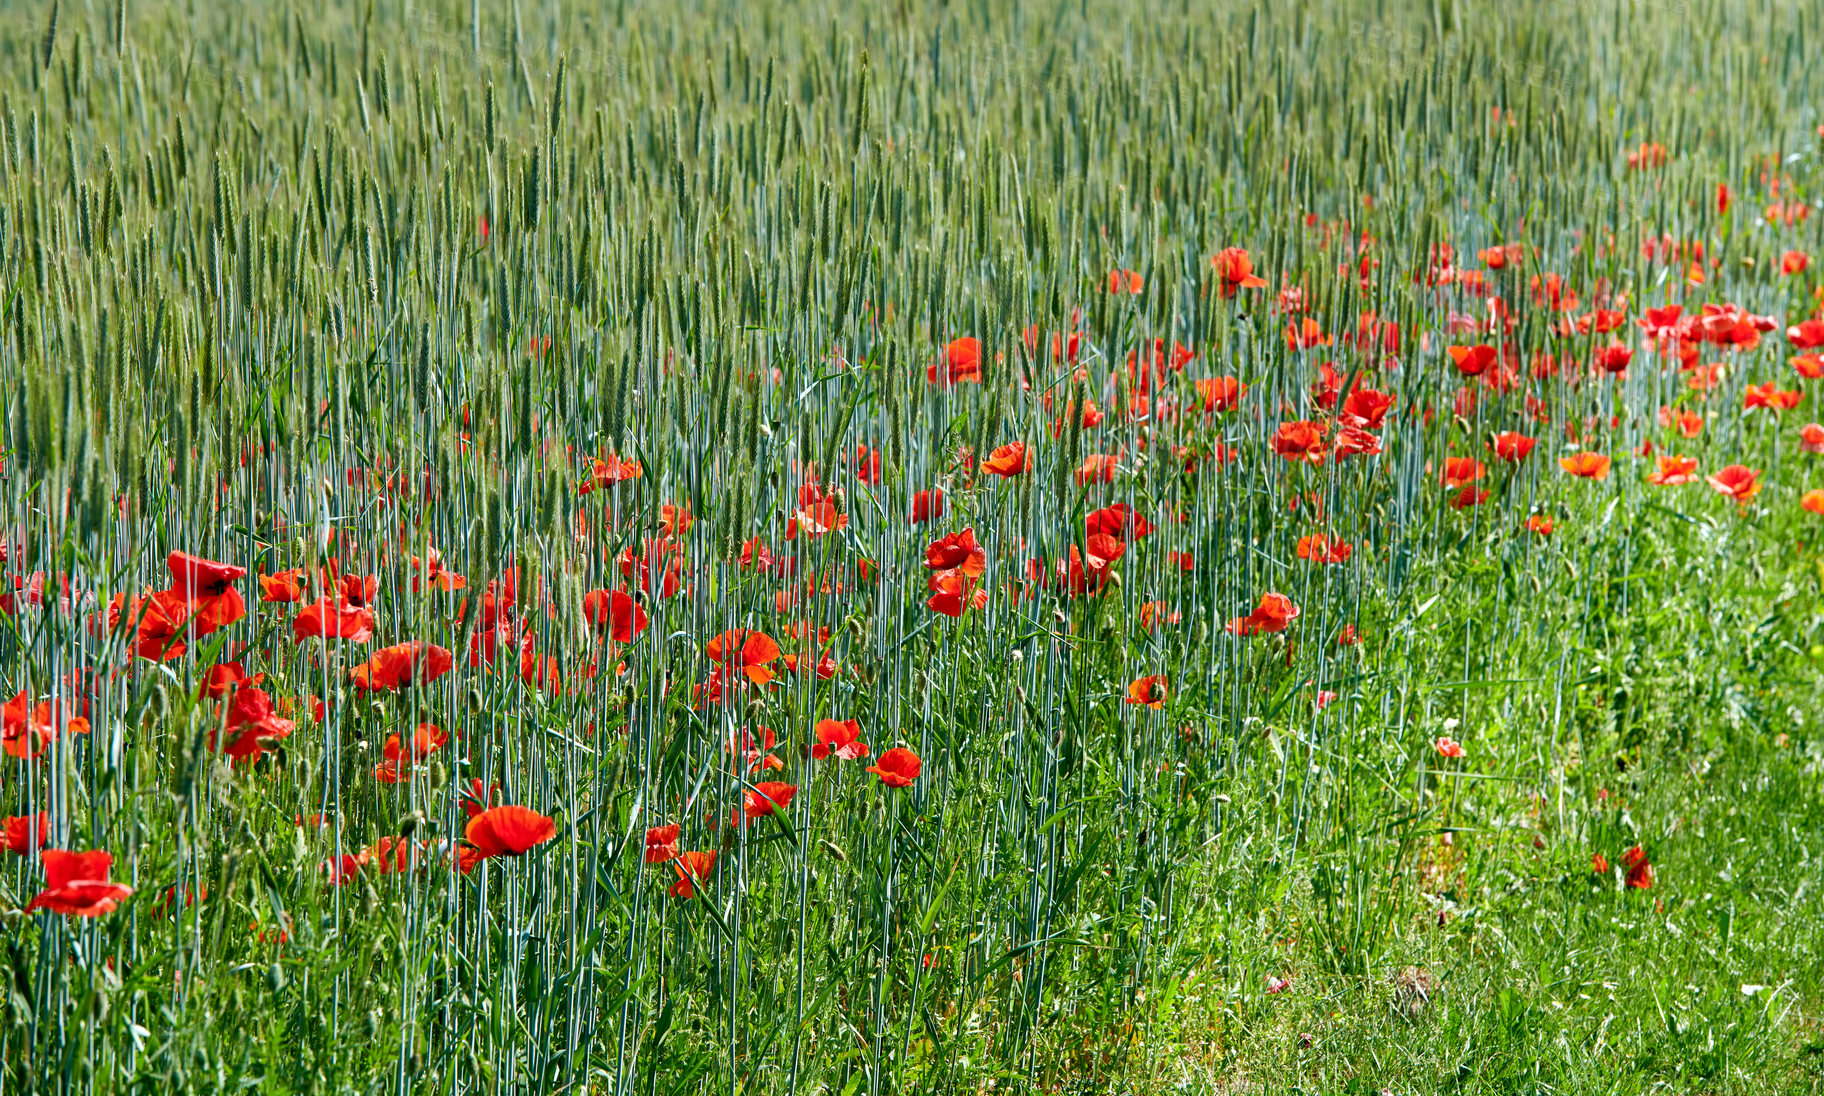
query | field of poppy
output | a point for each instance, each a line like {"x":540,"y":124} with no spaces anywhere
{"x":810,"y":547}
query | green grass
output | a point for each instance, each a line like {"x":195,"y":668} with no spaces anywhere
{"x":349,"y":282}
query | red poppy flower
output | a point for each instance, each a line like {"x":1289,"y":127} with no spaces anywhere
{"x":1152,"y":690}
{"x":867,"y":465}
{"x":1097,"y":468}
{"x":1119,"y":520}
{"x":1806,"y":335}
{"x":1614,"y":358}
{"x":26,"y":834}
{"x":692,"y":867}
{"x":1688,"y":423}
{"x":1220,"y":394}
{"x":1275,"y":613}
{"x":1468,"y":497}
{"x":661,"y":843}
{"x":927,"y":505}
{"x":606,"y":473}
{"x":1234,"y":271}
{"x":1512,"y":447}
{"x":1300,"y":440}
{"x":28,"y":729}
{"x":404,"y":664}
{"x":1811,"y":438}
{"x":839,"y":737}
{"x":815,"y":520}
{"x":429,"y":570}
{"x":1500,"y":257}
{"x":766,"y":797}
{"x":1319,"y":548}
{"x":1367,"y":409}
{"x":1739,"y":482}
{"x":1813,"y":501}
{"x":954,"y":590}
{"x":1540,"y":525}
{"x":1586,"y":465}
{"x":333,"y":620}
{"x":1673,"y":470}
{"x":1125,"y":281}
{"x":1460,"y":471}
{"x":508,"y":831}
{"x":283,"y":586}
{"x":617,"y":611}
{"x":1599,"y":863}
{"x":1794,"y":262}
{"x":1639,"y":869}
{"x":751,"y":652}
{"x":957,"y":551}
{"x":962,"y":362}
{"x":160,"y":621}
{"x":76,"y":884}
{"x":251,"y":718}
{"x":476,"y":797}
{"x":1472,"y":360}
{"x":897,"y":768}
{"x":1305,"y":334}
{"x":1007,"y":460}
{"x":1354,"y":441}
{"x":1448,"y":747}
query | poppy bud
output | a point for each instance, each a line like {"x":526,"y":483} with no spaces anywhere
{"x":474,"y":699}
{"x":410,"y":823}
{"x":804,"y":751}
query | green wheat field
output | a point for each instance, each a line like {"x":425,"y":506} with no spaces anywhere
{"x":976,"y":547}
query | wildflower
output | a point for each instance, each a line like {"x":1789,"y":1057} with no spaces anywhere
{"x":254,"y":723}
{"x":766,"y":797}
{"x":1539,"y":525}
{"x":1794,"y":262}
{"x":1739,"y":482}
{"x":617,"y":611}
{"x":1275,"y":613}
{"x":661,"y":843}
{"x":839,"y":737}
{"x":959,"y":551}
{"x":1125,"y":281}
{"x":403,"y":664}
{"x":1007,"y":460}
{"x":76,"y":884}
{"x":283,"y":586}
{"x":897,"y":768}
{"x":751,"y":652}
{"x":954,"y":590}
{"x":29,"y":729}
{"x":507,"y":831}
{"x":1813,"y":501}
{"x":1688,"y":423}
{"x":1639,"y":870}
{"x":1220,"y":394}
{"x":333,"y":620}
{"x":1152,"y":691}
{"x":26,"y":834}
{"x":209,"y":588}
{"x":1097,"y":468}
{"x":927,"y":505}
{"x":1301,"y":440}
{"x":1234,"y":271}
{"x":1367,"y":409}
{"x":1448,"y":747}
{"x":1471,"y":361}
{"x":1319,"y":548}
{"x":1586,"y":465}
{"x":1599,"y":863}
{"x":962,"y":362}
{"x":1460,"y":471}
{"x":692,"y":867}
{"x":1674,"y":470}
{"x":1512,"y":447}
